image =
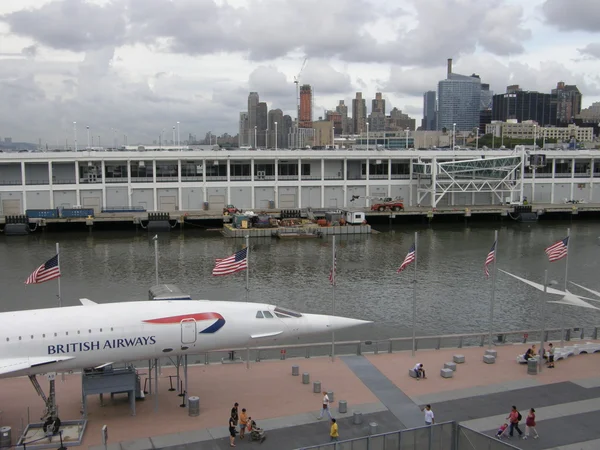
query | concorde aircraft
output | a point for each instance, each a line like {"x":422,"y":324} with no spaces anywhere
{"x":91,"y":335}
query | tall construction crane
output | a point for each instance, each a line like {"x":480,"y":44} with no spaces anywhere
{"x":296,"y":82}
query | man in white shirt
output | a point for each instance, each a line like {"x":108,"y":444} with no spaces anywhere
{"x":429,"y":417}
{"x":325,"y":406}
{"x":419,"y":371}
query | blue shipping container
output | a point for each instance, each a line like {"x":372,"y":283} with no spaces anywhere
{"x":42,"y":213}
{"x":76,"y":213}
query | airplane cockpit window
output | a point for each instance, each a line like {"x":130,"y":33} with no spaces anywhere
{"x":268,"y":315}
{"x":286,"y":313}
{"x":259,"y":315}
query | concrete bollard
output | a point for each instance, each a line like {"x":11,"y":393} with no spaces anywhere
{"x":295,"y":370}
{"x":305,"y":378}
{"x":330,"y":395}
{"x":357,"y":418}
{"x":373,"y":428}
{"x":317,"y":387}
{"x":342,"y":407}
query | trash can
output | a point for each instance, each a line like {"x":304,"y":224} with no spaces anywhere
{"x":357,"y":418}
{"x":5,"y":437}
{"x":342,"y":407}
{"x":194,"y":406}
{"x":373,"y":428}
{"x":305,"y":378}
{"x":317,"y":387}
{"x":330,"y":395}
{"x":295,"y":370}
{"x":532,"y":367}
{"x":205,"y":206}
{"x":271,"y":204}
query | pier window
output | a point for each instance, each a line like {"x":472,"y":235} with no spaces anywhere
{"x":166,"y":171}
{"x":264,"y":171}
{"x":141,"y":171}
{"x":582,"y":169}
{"x":191,"y":170}
{"x":216,"y":170}
{"x":400,"y":169}
{"x":378,"y":168}
{"x":544,"y":171}
{"x":239,"y":171}
{"x":597,"y":169}
{"x":563,"y":168}
{"x":36,"y":173}
{"x":63,"y":173}
{"x":90,"y":172}
{"x":10,"y":174}
{"x":115,"y":172}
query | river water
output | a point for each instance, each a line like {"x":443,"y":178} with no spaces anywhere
{"x":453,"y":294}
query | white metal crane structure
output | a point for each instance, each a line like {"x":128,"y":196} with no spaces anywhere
{"x":297,"y":83}
{"x":501,"y":176}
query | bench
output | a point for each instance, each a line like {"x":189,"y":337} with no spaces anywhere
{"x":489,"y":359}
{"x":458,"y":359}
{"x":450,"y":365}
{"x":446,"y":373}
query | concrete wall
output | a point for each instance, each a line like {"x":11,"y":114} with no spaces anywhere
{"x":287,"y":197}
{"x":561,"y":191}
{"x":354,"y":170}
{"x":461,"y":199}
{"x":216,"y":198}
{"x":334,"y":197}
{"x":315,"y":166}
{"x":241,"y":197}
{"x":117,"y":196}
{"x":66,"y":199}
{"x":311,"y":197}
{"x":63,"y":173}
{"x":401,"y":191}
{"x":377,"y":191}
{"x":143,"y":197}
{"x":482,"y":198}
{"x":168,"y":199}
{"x":38,"y":199}
{"x":334,"y":168}
{"x":361,"y":191}
{"x":192,"y":199}
{"x":543,"y":193}
{"x":582,"y":192}
{"x":91,"y":198}
{"x":262,"y":196}
{"x":11,"y":203}
{"x":37,"y":172}
{"x":10,"y":174}
{"x":596,"y":193}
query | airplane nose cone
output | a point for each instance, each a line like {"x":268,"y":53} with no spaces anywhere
{"x":339,"y":323}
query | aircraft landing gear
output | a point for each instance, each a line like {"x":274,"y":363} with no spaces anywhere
{"x":51,"y":421}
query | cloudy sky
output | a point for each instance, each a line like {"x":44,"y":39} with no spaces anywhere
{"x":139,"y":66}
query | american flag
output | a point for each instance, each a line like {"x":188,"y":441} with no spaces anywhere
{"x":410,"y":257}
{"x":332,"y":271}
{"x":489,"y":259}
{"x":46,"y":272}
{"x":232,"y":264}
{"x":559,"y":250}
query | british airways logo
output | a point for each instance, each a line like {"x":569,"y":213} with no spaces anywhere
{"x":218,"y":323}
{"x":88,"y":346}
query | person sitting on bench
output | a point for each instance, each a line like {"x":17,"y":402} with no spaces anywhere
{"x":419,"y":371}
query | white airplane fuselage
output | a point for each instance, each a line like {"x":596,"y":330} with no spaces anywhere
{"x":77,"y":337}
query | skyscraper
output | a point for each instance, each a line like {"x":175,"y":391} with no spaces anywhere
{"x":359,"y":114}
{"x":429,"y":111}
{"x":261,"y":123}
{"x":252,"y":104}
{"x":305,"y":106}
{"x":286,"y":130}
{"x":276,"y":133}
{"x":378,"y":104}
{"x":524,"y":105}
{"x":459,"y":98}
{"x":346,"y":123}
{"x":568,"y":103}
{"x":243,"y":133}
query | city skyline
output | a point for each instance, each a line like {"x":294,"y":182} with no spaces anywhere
{"x":142,"y":66}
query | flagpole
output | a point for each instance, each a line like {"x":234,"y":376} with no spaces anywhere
{"x":414,"y":311}
{"x":247,"y":267}
{"x":58,"y":278}
{"x":333,"y":270}
{"x":493,"y":299}
{"x":562,"y":307}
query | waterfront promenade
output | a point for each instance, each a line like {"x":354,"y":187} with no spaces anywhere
{"x":479,"y":396}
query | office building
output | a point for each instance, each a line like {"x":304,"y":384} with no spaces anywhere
{"x":306,"y":99}
{"x":276,"y":129}
{"x":523,"y":106}
{"x":359,"y":114}
{"x":459,"y":98}
{"x":429,"y":111}
{"x":342,"y":109}
{"x":568,"y":103}
{"x":261,"y":124}
{"x":244,"y":139}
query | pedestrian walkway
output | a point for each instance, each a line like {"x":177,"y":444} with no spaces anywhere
{"x":399,"y":404}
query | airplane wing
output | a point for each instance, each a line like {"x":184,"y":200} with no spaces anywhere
{"x":586,"y":289}
{"x":8,"y":365}
{"x":538,"y":286}
{"x":87,"y":302}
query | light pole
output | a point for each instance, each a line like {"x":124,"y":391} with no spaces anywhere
{"x":275,"y":136}
{"x":88,"y":135}
{"x":75,"y":134}
{"x":367,"y":136}
{"x":534,"y":136}
{"x":332,"y":138}
{"x":178,"y":138}
{"x":173,"y":141}
{"x":477,"y":139}
{"x":255,"y":129}
{"x":98,"y":140}
{"x":453,"y":136}
{"x":115,"y":137}
{"x":155,"y":239}
{"x":125,"y":139}
{"x":543,"y":338}
{"x":162,"y":137}
{"x":407,"y":130}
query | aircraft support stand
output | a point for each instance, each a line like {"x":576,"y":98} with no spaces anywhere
{"x":155,"y":385}
{"x":50,"y":418}
{"x":185,"y":380}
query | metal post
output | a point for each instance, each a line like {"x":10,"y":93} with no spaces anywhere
{"x":155,"y":238}
{"x":562,"y":307}
{"x":185,"y":374}
{"x":247,"y":267}
{"x":58,"y":278}
{"x":155,"y":385}
{"x":543,"y":338}
{"x":333,"y":273}
{"x":414,"y":309}
{"x":493,"y":299}
{"x":247,"y":357}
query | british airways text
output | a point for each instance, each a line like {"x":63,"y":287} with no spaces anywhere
{"x":88,"y":346}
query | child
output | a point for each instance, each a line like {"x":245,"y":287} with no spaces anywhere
{"x":501,"y":430}
{"x":530,"y":424}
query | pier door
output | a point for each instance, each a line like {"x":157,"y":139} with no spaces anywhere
{"x":188,"y":331}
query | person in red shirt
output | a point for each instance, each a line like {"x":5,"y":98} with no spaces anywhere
{"x":530,"y":424}
{"x":514,"y":419}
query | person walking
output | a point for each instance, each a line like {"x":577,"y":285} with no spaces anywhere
{"x":530,"y":424}
{"x":514,"y":417}
{"x":550,"y":356}
{"x":429,"y":417}
{"x":325,"y":406}
{"x":243,"y":422}
{"x":334,"y":433}
{"x":231,"y":431}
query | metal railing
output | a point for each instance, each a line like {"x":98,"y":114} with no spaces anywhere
{"x":441,"y":436}
{"x":391,"y":345}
